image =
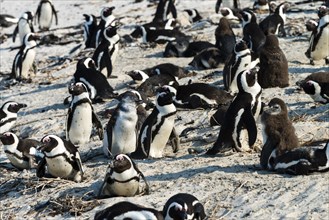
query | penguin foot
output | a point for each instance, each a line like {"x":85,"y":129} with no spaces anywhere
{"x":218,"y":149}
{"x":327,"y":60}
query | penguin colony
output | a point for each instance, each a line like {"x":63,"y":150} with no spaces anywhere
{"x":143,"y":121}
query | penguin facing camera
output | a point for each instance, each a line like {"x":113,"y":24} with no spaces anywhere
{"x":45,"y":13}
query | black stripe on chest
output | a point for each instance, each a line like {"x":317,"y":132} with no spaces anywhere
{"x":158,"y":127}
{"x":7,"y":121}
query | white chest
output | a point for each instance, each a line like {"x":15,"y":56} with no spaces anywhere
{"x":45,"y":16}
{"x":27,"y":63}
{"x":59,"y":167}
{"x":321,"y":50}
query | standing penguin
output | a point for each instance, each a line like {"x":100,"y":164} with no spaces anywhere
{"x":24,"y":59}
{"x":120,"y":132}
{"x":81,"y":116}
{"x":278,"y":132}
{"x":8,"y":115}
{"x":252,"y":34}
{"x":62,"y":159}
{"x":157,"y":127}
{"x":97,"y":84}
{"x":24,"y":26}
{"x":122,"y":178}
{"x":239,"y":61}
{"x":240,"y":116}
{"x":273,"y":65}
{"x":45,"y":13}
{"x":107,"y":50}
{"x":128,"y":210}
{"x":89,"y":29}
{"x":225,"y":39}
{"x":106,"y":20}
{"x":319,"y":41}
{"x":22,"y":153}
{"x":183,"y":206}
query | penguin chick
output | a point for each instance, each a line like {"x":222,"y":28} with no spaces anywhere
{"x":122,"y":178}
{"x":8,"y":115}
{"x":128,"y":210}
{"x":225,"y":39}
{"x":22,"y":153}
{"x":183,"y":206}
{"x":278,"y":132}
{"x":62,"y":159}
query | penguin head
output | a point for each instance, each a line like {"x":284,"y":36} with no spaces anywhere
{"x":28,"y":15}
{"x":77,"y":88}
{"x":138,"y":75}
{"x":12,"y":107}
{"x":309,"y":87}
{"x":131,"y":96}
{"x":248,"y":17}
{"x":311,"y":25}
{"x":275,"y":107}
{"x":177,"y":210}
{"x":164,"y":96}
{"x":8,"y":138}
{"x":121,"y":162}
{"x":240,"y":46}
{"x":176,"y":48}
{"x":86,"y":63}
{"x":247,"y":81}
{"x":89,"y":18}
{"x":322,"y":11}
{"x":29,"y":40}
{"x":106,"y":12}
{"x":49,"y":142}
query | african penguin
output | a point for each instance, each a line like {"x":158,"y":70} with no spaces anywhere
{"x":273,"y":65}
{"x":8,"y":115}
{"x":89,"y":29}
{"x":225,"y":39}
{"x":240,"y":119}
{"x":164,"y":9}
{"x":97,"y":84}
{"x":128,"y":210}
{"x":81,"y":116}
{"x":319,"y":41}
{"x":7,"y":20}
{"x":183,"y":206}
{"x":231,"y":4}
{"x":232,"y":15}
{"x":278,"y":132}
{"x":120,"y":132}
{"x":207,"y":59}
{"x":122,"y":178}
{"x":193,"y":14}
{"x":150,"y":86}
{"x":157,"y":127}
{"x":181,"y":47}
{"x":252,"y":34}
{"x":274,"y":23}
{"x":24,"y":59}
{"x":45,"y":13}
{"x":105,"y":53}
{"x":199,"y":95}
{"x":239,"y":61}
{"x":24,"y":26}
{"x":107,"y":18}
{"x":303,"y":160}
{"x":22,"y":153}
{"x":62,"y":159}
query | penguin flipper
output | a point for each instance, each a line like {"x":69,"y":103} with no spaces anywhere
{"x":55,"y":13}
{"x":175,"y":141}
{"x":250,"y":125}
{"x":79,"y":162}
{"x":41,"y":168}
{"x":268,"y":148}
{"x":37,"y":13}
{"x":98,"y":125}
{"x":15,"y":33}
{"x":147,"y":187}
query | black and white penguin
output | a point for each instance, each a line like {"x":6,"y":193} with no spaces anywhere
{"x":193,"y":14}
{"x":81,"y":116}
{"x":199,"y":95}
{"x":303,"y":160}
{"x":239,"y":128}
{"x":164,"y":9}
{"x":274,"y":23}
{"x":107,"y":18}
{"x":128,"y":210}
{"x":24,"y":26}
{"x":62,"y":159}
{"x":105,"y":53}
{"x":122,"y":178}
{"x":232,"y":15}
{"x":252,"y":34}
{"x":97,"y":84}
{"x":89,"y":29}
{"x":45,"y":13}
{"x":160,"y":36}
{"x":150,"y":86}
{"x":7,"y":20}
{"x":225,"y":39}
{"x":183,"y":206}
{"x":231,"y":4}
{"x":239,"y":61}
{"x":24,"y":59}
{"x":120,"y":132}
{"x":182,"y":47}
{"x":273,"y":65}
{"x":22,"y":153}
{"x":157,"y":127}
{"x":319,"y":41}
{"x":278,"y":132}
{"x":8,"y":115}
{"x":317,"y":86}
{"x":207,"y":59}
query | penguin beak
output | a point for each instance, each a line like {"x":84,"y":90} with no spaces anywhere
{"x":183,"y":215}
{"x":21,"y":105}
